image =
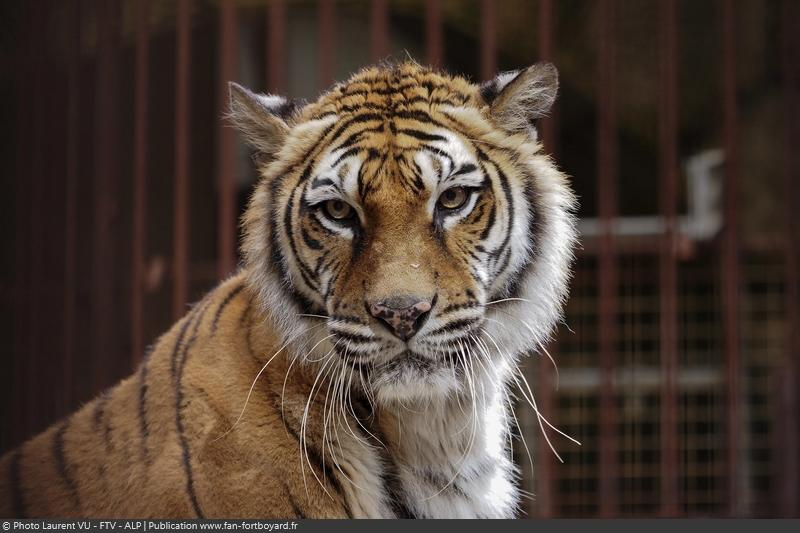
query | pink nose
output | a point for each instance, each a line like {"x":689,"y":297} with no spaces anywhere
{"x":404,"y":316}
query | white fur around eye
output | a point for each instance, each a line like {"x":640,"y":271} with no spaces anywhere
{"x":339,"y":229}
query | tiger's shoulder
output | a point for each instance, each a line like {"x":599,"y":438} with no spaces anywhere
{"x":173,"y":440}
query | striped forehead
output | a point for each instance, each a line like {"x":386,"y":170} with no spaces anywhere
{"x":421,"y":162}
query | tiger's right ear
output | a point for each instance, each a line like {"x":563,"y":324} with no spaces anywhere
{"x":263,"y":119}
{"x":518,"y":99}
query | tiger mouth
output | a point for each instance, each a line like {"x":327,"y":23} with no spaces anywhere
{"x":410,"y":361}
{"x":405,"y":360}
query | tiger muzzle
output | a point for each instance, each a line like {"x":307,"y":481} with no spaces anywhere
{"x":404,"y":316}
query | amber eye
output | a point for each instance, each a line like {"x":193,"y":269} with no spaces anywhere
{"x":453,"y":198}
{"x":338,"y":210}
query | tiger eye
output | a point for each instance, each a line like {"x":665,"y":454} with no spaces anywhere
{"x":453,"y":198}
{"x":338,"y":210}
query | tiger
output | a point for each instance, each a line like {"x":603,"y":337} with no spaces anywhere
{"x":407,"y":242}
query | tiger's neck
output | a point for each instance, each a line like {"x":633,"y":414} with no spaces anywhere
{"x":450,"y":458}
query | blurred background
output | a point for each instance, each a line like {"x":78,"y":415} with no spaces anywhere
{"x":678,"y":121}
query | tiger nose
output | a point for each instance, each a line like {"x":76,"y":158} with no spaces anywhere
{"x":404,"y":315}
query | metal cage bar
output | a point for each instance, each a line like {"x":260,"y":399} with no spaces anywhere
{"x":226,"y":149}
{"x":545,"y":480}
{"x":180,"y":235}
{"x":21,"y":415}
{"x":34,"y":213}
{"x":731,"y":276}
{"x":71,"y":205}
{"x":141,"y":94}
{"x":105,"y":192}
{"x":668,"y":269}
{"x":434,"y":40}
{"x":276,"y":46}
{"x":379,"y":36}
{"x":788,"y":440}
{"x":546,"y":30}
{"x":607,"y":258}
{"x":488,"y":39}
{"x":326,"y":15}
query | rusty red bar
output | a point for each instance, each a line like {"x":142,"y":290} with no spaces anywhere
{"x":434,"y":41}
{"x":730,"y":253}
{"x":35,"y":213}
{"x":668,"y":268}
{"x":276,"y":46}
{"x":226,"y":171}
{"x":71,"y":205}
{"x":22,"y":184}
{"x":544,"y":481}
{"x":140,"y":126}
{"x":180,"y":235}
{"x":546,"y":28}
{"x":105,"y":197}
{"x":788,"y":440}
{"x":325,"y":43}
{"x":607,"y":258}
{"x":488,"y":39}
{"x":379,"y":29}
{"x":545,"y":486}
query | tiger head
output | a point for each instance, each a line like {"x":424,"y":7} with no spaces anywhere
{"x":408,"y":226}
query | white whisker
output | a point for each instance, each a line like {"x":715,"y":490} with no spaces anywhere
{"x":252,"y":386}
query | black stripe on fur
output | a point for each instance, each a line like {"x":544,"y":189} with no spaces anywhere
{"x":298,"y":513}
{"x":222,"y":307}
{"x":178,"y":362}
{"x":99,"y":420}
{"x":314,"y":456}
{"x":143,"y":426}
{"x":62,"y":466}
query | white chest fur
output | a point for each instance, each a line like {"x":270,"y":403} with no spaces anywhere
{"x":446,"y":460}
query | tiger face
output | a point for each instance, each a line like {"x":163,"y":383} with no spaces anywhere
{"x":407,"y":227}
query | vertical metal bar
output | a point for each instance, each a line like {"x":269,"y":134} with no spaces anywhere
{"x":544,"y":479}
{"x":105,"y":198}
{"x":788,"y":463}
{"x":730,"y":253}
{"x":488,"y":39}
{"x":379,"y":29}
{"x":545,"y":486}
{"x":180,"y":238}
{"x":34,"y":222}
{"x":22,"y":185}
{"x":226,"y":171}
{"x":607,"y":258}
{"x":546,"y":29}
{"x":325,"y":43}
{"x":140,"y":178}
{"x":71,"y":204}
{"x":668,"y":268}
{"x":276,"y":46}
{"x":434,"y":41}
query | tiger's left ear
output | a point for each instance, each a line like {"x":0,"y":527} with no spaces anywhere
{"x":518,"y":98}
{"x":263,"y":119}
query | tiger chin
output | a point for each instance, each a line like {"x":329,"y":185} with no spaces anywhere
{"x":408,"y":240}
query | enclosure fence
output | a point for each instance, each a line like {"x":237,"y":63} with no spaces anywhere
{"x":677,"y":434}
